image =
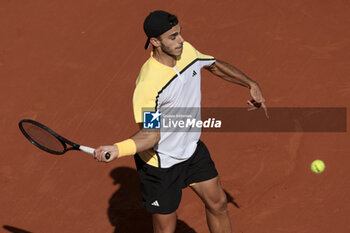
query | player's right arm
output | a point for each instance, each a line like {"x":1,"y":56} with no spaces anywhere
{"x":146,"y":138}
{"x":141,"y":141}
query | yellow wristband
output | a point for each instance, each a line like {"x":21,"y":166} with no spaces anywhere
{"x":126,"y":147}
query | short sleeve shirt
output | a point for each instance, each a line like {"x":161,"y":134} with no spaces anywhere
{"x":162,"y":87}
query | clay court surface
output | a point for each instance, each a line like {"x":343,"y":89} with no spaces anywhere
{"x":72,"y":65}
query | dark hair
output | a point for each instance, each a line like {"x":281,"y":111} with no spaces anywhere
{"x":158,"y":22}
{"x":172,"y":21}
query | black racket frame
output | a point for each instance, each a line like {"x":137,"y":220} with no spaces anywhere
{"x":59,"y":137}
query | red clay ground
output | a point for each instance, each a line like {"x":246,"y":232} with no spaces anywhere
{"x":73,"y":66}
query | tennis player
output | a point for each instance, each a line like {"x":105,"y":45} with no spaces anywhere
{"x":167,"y":162}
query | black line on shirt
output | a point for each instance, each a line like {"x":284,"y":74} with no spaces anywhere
{"x":158,"y":158}
{"x":159,"y":92}
{"x":172,"y":79}
{"x":183,"y":70}
{"x":197,"y":59}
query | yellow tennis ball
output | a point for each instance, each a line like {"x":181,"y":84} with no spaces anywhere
{"x":317,"y":166}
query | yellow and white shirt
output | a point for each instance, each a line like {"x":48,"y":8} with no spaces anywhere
{"x":159,"y":86}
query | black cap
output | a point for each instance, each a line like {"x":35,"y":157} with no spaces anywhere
{"x":158,"y":22}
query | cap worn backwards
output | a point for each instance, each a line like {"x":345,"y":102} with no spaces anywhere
{"x":158,"y":22}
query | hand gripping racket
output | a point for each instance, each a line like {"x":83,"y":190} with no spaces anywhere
{"x":49,"y":141}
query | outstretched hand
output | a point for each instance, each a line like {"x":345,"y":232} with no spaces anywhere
{"x":258,"y":100}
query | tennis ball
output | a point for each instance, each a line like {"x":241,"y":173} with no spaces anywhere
{"x":317,"y":166}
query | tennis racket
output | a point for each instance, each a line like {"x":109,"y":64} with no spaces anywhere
{"x":49,"y":141}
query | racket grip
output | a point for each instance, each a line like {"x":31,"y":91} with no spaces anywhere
{"x":107,"y":155}
{"x":86,"y":149}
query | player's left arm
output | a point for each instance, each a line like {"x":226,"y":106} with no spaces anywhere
{"x":230,"y":73}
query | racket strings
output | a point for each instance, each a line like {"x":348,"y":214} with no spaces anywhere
{"x":43,"y":137}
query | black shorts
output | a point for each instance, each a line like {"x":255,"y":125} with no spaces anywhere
{"x":162,"y":187}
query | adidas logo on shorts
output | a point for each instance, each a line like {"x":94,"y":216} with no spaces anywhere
{"x":155,"y":203}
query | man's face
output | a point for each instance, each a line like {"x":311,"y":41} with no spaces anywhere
{"x":172,"y":41}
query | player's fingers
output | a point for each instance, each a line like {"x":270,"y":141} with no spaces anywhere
{"x":95,"y":153}
{"x":249,"y":102}
{"x":254,"y":103}
{"x":253,"y":108}
{"x":106,"y":153}
{"x":263,"y":105}
{"x":106,"y":156}
{"x":99,"y":154}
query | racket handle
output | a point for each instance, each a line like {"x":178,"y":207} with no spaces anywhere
{"x":86,"y":149}
{"x":90,"y":151}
